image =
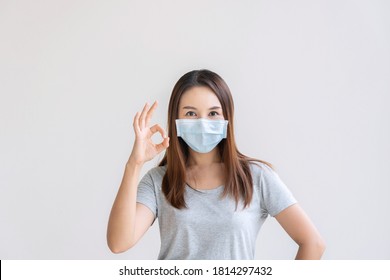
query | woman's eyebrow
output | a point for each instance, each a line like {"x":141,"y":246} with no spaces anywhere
{"x":193,"y":108}
{"x":189,"y":107}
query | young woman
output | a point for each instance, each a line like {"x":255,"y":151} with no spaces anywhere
{"x":210,"y":200}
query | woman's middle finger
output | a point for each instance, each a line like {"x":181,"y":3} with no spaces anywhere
{"x":150,"y":113}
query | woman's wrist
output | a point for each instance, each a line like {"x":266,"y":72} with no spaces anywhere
{"x":132,"y":164}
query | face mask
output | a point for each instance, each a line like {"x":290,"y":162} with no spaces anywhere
{"x":202,"y":135}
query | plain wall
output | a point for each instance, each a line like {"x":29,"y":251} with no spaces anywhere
{"x":310,"y":81}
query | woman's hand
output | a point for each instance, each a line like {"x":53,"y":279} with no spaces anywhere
{"x":144,"y":149}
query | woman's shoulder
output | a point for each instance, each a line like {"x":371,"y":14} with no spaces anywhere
{"x":259,"y":168}
{"x":157,"y":171}
{"x":263,"y":174}
{"x":153,"y":178}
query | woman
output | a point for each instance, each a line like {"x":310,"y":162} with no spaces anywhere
{"x":210,"y":199}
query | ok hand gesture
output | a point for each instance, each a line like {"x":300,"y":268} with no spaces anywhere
{"x":144,"y":149}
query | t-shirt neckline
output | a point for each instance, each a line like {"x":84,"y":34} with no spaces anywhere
{"x":213,"y":190}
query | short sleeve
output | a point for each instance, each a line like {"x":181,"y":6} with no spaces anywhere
{"x":146,"y":193}
{"x":275,"y":195}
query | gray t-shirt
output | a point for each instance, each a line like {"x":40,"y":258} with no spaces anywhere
{"x":211,"y":227}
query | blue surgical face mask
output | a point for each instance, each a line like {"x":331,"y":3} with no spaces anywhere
{"x":202,"y":135}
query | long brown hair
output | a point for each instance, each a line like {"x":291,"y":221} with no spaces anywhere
{"x":239,"y":183}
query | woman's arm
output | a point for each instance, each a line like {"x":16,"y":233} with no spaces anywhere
{"x":129,"y":220}
{"x":298,"y":225}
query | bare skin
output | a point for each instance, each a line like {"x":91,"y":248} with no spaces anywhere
{"x":130,"y":220}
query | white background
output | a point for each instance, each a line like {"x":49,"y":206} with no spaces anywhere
{"x":310,"y":80}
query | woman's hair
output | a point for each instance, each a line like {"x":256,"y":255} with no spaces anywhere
{"x":238,"y":182}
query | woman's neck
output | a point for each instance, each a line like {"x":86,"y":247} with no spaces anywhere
{"x":203,"y":160}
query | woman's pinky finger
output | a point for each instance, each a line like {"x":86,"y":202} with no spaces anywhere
{"x":136,"y":123}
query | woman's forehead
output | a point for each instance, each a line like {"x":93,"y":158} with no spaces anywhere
{"x":199,"y":97}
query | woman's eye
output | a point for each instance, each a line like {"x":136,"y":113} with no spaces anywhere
{"x":213,"y":113}
{"x":190,"y":114}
